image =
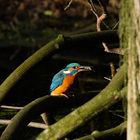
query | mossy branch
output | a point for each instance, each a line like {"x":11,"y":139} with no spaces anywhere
{"x":106,"y":98}
{"x":29,"y":112}
{"x":35,"y":108}
{"x":92,"y":108}
{"x":110,"y":95}
{"x":116,"y":131}
{"x":106,"y":134}
{"x":17,"y":74}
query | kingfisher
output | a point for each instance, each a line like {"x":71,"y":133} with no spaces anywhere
{"x":61,"y":84}
{"x":64,"y":79}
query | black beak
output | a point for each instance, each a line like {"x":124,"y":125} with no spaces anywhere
{"x":84,"y":68}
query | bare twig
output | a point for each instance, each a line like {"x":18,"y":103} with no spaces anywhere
{"x":68,"y":6}
{"x":31,"y":124}
{"x":115,"y":114}
{"x":109,"y":79}
{"x":113,"y":70}
{"x":102,"y":7}
{"x":11,"y":107}
{"x":100,"y":20}
{"x":116,"y":24}
{"x":93,"y":10}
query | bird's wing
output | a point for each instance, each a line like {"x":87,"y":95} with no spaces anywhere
{"x":57,"y":80}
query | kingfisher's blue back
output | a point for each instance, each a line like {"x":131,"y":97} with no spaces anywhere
{"x":57,"y":80}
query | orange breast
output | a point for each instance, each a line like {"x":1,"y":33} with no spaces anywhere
{"x":63,"y":89}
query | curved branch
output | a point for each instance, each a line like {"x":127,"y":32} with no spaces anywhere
{"x":88,"y":110}
{"x":118,"y":130}
{"x":17,"y":74}
{"x":105,"y":99}
{"x":106,"y":134}
{"x":30,"y":112}
{"x":35,"y":108}
{"x":81,"y":115}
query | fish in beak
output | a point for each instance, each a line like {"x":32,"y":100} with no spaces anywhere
{"x":84,"y":68}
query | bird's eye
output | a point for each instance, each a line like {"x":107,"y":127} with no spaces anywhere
{"x":75,"y":67}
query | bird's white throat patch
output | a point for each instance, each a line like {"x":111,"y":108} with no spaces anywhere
{"x":66,"y":72}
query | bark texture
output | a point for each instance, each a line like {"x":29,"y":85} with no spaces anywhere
{"x":130,"y":37}
{"x":81,"y":115}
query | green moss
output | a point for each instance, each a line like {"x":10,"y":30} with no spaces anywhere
{"x":125,"y":22}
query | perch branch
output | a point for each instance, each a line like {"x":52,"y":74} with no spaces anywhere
{"x":79,"y":116}
{"x":105,"y":99}
{"x":50,"y":47}
{"x":88,"y":110}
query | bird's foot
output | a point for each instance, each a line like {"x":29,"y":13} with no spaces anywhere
{"x":60,"y":95}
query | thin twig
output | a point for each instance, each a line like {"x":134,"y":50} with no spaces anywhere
{"x":102,"y":7}
{"x":115,"y":25}
{"x":11,"y":107}
{"x":109,"y":79}
{"x":113,"y":70}
{"x":103,"y":4}
{"x":115,"y":114}
{"x":94,"y":13}
{"x":99,"y":20}
{"x":92,"y":5}
{"x":31,"y":124}
{"x":68,"y":6}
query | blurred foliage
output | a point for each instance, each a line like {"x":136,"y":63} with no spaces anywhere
{"x":33,"y":10}
{"x":30,"y":23}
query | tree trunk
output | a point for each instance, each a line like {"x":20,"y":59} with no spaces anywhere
{"x":130,"y":35}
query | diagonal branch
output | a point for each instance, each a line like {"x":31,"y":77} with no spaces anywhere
{"x":105,"y":99}
{"x":17,"y":74}
{"x":106,"y":134}
{"x":47,"y":50}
